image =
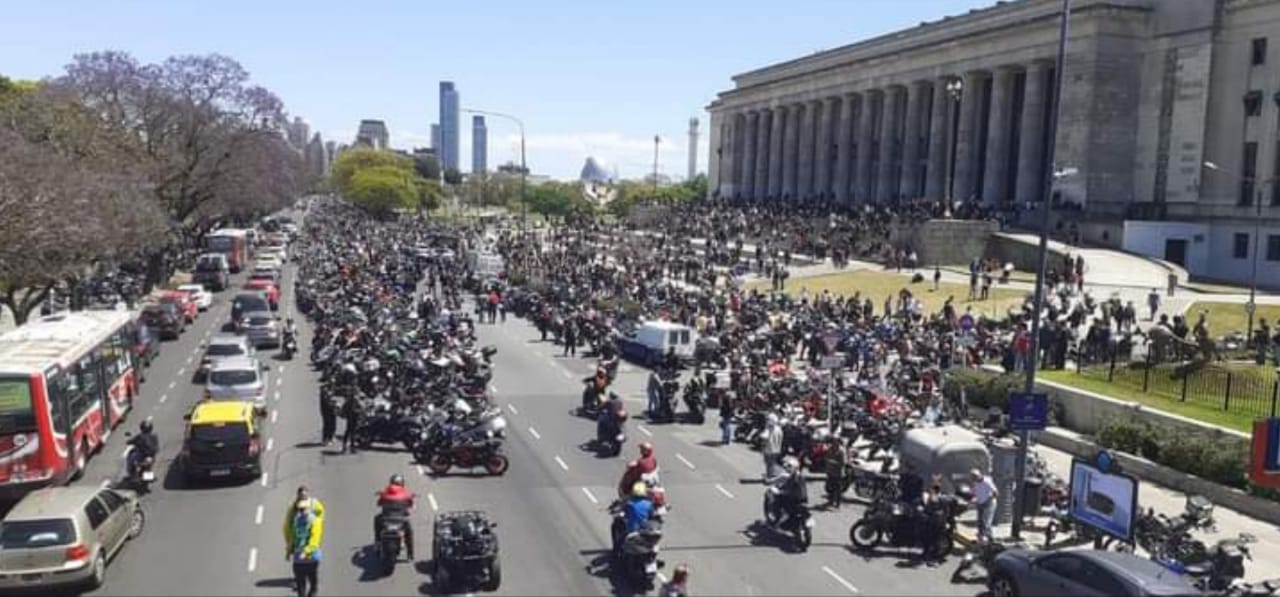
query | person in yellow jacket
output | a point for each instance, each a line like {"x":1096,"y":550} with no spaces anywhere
{"x":303,"y":530}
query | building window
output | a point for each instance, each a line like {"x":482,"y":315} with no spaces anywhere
{"x":1273,"y":247}
{"x":1248,"y":172}
{"x":1258,"y":55}
{"x":1240,"y":245}
{"x":1253,"y":103}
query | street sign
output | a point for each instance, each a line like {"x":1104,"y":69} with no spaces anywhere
{"x":833,"y":361}
{"x":1028,"y":412}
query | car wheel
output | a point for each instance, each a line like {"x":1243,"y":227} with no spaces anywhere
{"x":1003,"y":586}
{"x":99,"y":573}
{"x":137,"y":523}
{"x":82,"y":459}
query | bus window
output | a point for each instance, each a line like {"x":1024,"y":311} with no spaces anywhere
{"x":56,"y":390}
{"x":80,"y":388}
{"x":684,"y":336}
{"x":115,"y":359}
{"x":17,"y":414}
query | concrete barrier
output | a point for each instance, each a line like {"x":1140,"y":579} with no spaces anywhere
{"x":944,"y":242}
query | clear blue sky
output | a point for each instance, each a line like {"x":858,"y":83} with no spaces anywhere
{"x":588,"y":78}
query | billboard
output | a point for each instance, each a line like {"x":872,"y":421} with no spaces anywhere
{"x":1264,"y":465}
{"x":1106,"y":501}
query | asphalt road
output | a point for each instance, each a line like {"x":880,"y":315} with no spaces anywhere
{"x":550,"y":507}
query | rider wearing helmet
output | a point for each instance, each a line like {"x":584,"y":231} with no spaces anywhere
{"x":145,"y":445}
{"x":637,"y":511}
{"x":788,"y":489}
{"x":643,"y":469}
{"x":396,"y":502}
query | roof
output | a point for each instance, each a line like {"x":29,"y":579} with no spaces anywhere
{"x":236,"y":363}
{"x":665,"y":325}
{"x":57,"y":339}
{"x":227,"y":339}
{"x":222,"y":411}
{"x":51,"y":502}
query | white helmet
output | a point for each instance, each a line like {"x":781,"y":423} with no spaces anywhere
{"x":772,"y":419}
{"x":791,"y":464}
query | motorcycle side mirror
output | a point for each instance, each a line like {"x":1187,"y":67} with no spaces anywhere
{"x":186,"y":417}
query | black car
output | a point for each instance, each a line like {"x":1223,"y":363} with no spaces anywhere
{"x":165,"y":319}
{"x":248,"y":302}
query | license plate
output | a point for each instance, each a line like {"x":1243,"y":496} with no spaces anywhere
{"x":651,"y":568}
{"x":220,"y":472}
{"x":32,"y":577}
{"x":148,"y":476}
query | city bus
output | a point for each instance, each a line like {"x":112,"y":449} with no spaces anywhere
{"x":232,"y":242}
{"x":66,"y":380}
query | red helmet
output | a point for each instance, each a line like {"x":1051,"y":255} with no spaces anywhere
{"x":646,"y":449}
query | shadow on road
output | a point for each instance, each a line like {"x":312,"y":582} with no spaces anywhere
{"x":371,"y":566}
{"x":275,"y":583}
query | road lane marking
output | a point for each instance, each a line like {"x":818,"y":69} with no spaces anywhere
{"x":181,"y":371}
{"x":560,"y":462}
{"x":253,"y":558}
{"x":422,"y":471}
{"x":534,"y":433}
{"x":662,"y":577}
{"x":724,"y":491}
{"x":257,"y":516}
{"x":590,"y":496}
{"x":163,"y":397}
{"x":172,"y":383}
{"x":566,"y":373}
{"x":644,"y":430}
{"x":277,"y":394}
{"x":686,"y":462}
{"x":271,"y":441}
{"x":190,"y":358}
{"x":264,"y":478}
{"x":274,"y":414}
{"x":149,"y":418}
{"x":493,"y":388}
{"x":839,"y":579}
{"x":278,"y":380}
{"x":280,"y":369}
{"x":431,"y":499}
{"x":512,"y":408}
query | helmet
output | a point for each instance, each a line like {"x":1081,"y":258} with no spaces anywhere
{"x":145,"y":427}
{"x":772,"y":419}
{"x":397,"y":479}
{"x":639,"y":489}
{"x":646,"y":449}
{"x":791,"y":464}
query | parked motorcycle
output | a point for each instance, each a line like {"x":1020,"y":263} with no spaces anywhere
{"x":899,"y":526}
{"x":794,"y":520}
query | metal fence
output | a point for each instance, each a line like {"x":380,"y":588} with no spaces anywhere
{"x":1248,"y":390}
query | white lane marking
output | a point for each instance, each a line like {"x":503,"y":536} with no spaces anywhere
{"x":560,"y":461}
{"x":421,"y":471}
{"x":566,"y":373}
{"x":274,"y":414}
{"x":644,"y":430}
{"x":163,"y":397}
{"x":277,"y":394}
{"x":190,"y":358}
{"x":265,"y":474}
{"x":181,"y":371}
{"x":534,"y":433}
{"x":512,"y":408}
{"x":125,"y":452}
{"x":149,"y":417}
{"x":839,"y":579}
{"x":280,"y":369}
{"x":590,"y":495}
{"x":724,"y":491}
{"x":172,"y":383}
{"x":271,"y":441}
{"x":493,"y":388}
{"x":431,"y":499}
{"x":278,"y":380}
{"x":686,"y":462}
{"x":257,"y":516}
{"x":253,"y":559}
{"x":662,"y":577}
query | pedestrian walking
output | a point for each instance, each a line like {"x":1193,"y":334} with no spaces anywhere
{"x":303,"y":531}
{"x":772,"y":447}
{"x":984,"y":498}
{"x":1153,"y":303}
{"x":726,"y":418}
{"x":352,"y":412}
{"x":328,"y":416}
{"x":937,"y":277}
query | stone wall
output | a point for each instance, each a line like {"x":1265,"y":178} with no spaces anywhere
{"x":945,"y":242}
{"x":1022,"y":255}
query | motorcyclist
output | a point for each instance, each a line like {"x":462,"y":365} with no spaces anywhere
{"x":786,"y":491}
{"x":637,"y":511}
{"x":643,"y":469}
{"x":396,"y":503}
{"x":145,"y":445}
{"x":611,"y":416}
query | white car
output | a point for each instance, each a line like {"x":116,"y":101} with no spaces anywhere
{"x":268,"y":261}
{"x":202,"y":298}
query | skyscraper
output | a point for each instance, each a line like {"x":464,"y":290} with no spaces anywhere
{"x":435,"y":137}
{"x":297,"y":132}
{"x":316,"y":157}
{"x":373,"y":133}
{"x":479,"y":145}
{"x":448,"y":126}
{"x":330,"y":153}
{"x":693,"y":148}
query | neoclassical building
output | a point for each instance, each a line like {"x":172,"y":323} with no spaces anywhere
{"x":959,"y":108}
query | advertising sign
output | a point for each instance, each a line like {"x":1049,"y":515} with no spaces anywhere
{"x":1028,"y":412}
{"x":1105,"y":501}
{"x":1264,"y":465}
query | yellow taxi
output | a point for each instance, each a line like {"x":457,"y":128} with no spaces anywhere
{"x":222,"y":440}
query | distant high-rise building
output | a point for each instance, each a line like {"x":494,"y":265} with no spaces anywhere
{"x":330,"y":154}
{"x":316,"y":157}
{"x":435,"y":137}
{"x":479,"y":145}
{"x":448,"y":149}
{"x":373,"y":133}
{"x":693,"y":148}
{"x":297,"y":132}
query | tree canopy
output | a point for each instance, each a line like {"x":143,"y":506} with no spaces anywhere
{"x":382,"y":181}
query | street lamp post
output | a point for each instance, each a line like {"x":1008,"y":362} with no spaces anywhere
{"x":954,"y":88}
{"x":656,"y":140}
{"x":524,"y":168}
{"x":1252,"y":306}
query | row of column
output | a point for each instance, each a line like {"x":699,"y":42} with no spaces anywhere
{"x":979,"y":135}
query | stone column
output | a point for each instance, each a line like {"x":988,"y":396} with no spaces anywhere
{"x":775,"y":152}
{"x":733,"y":154}
{"x":872,"y":102}
{"x":749,"y":154}
{"x":791,"y":151}
{"x":844,"y":148}
{"x":1031,"y":139}
{"x":822,"y":149}
{"x":911,"y":141}
{"x":804,"y":160}
{"x":936,"y":172}
{"x":890,"y":136}
{"x":761,"y":164}
{"x":713,"y":151}
{"x":994,"y":181}
{"x":967,"y":142}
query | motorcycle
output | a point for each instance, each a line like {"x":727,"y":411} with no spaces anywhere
{"x":610,"y":436}
{"x":795,"y":520}
{"x":289,"y":346}
{"x":139,"y":471}
{"x":480,"y":446}
{"x":695,"y":403}
{"x":391,"y":537}
{"x":983,"y":556}
{"x":666,"y":411}
{"x":906,"y":527}
{"x":637,"y":553}
{"x":591,"y":399}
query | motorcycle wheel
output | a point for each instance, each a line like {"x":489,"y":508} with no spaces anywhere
{"x":439,"y":464}
{"x":945,"y":544}
{"x":497,"y":465}
{"x":441,"y":579}
{"x":804,"y":538}
{"x":863,"y":535}
{"x":495,"y":577}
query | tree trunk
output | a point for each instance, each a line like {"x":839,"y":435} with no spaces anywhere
{"x":21,"y":306}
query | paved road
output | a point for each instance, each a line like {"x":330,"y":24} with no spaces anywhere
{"x":226,"y":540}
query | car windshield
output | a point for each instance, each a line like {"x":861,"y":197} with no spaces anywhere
{"x":225,"y":433}
{"x":33,"y":534}
{"x":245,"y":303}
{"x":16,"y":413}
{"x":209,"y":265}
{"x":224,"y":350}
{"x":233,"y":377}
{"x":260,"y":320}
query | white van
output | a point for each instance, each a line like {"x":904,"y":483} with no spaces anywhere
{"x":651,"y":340}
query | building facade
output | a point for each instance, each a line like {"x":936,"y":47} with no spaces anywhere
{"x":316,"y":157}
{"x":958,"y":109}
{"x":448,"y":148}
{"x":373,"y":133}
{"x":479,"y":145}
{"x":435,"y":137}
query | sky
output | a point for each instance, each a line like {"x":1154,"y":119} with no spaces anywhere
{"x":587,"y":78}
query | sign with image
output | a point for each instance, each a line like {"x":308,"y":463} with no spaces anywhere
{"x":1028,"y":412}
{"x":1102,"y":499}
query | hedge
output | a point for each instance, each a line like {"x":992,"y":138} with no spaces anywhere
{"x":981,"y":388}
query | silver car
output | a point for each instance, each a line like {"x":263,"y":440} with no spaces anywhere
{"x":64,"y":536}
{"x":261,"y":328}
{"x":237,"y":378}
{"x":222,"y":347}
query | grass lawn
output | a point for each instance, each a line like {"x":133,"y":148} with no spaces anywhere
{"x":1225,"y":318}
{"x":1166,"y":396}
{"x":878,"y":285}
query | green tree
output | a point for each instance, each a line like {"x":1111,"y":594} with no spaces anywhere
{"x":384,"y":189}
{"x":452,"y":176}
{"x":427,"y":165}
{"x":363,"y":158}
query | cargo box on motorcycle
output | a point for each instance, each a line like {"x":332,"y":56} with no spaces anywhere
{"x":464,"y":552}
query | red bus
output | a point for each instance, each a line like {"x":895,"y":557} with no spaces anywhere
{"x":66,"y":380}
{"x":232,"y":242}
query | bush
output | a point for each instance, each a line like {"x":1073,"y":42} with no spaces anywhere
{"x":982,"y":389}
{"x":1190,"y":453}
